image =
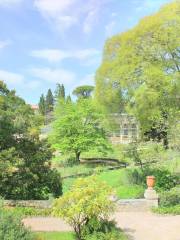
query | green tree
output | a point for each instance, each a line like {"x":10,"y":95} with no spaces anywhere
{"x":143,"y":66}
{"x":60,"y":92}
{"x":83,"y":91}
{"x":42,"y":105}
{"x":25,"y":168}
{"x":77,"y":128}
{"x":68,"y":99}
{"x":49,"y":101}
{"x":89,"y":198}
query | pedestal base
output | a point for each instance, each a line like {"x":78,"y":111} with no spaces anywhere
{"x":151,"y":197}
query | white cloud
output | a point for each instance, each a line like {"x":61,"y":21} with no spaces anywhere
{"x":4,"y":44}
{"x":63,"y":14}
{"x":11,"y":78}
{"x":57,"y":11}
{"x":54,"y":75}
{"x":52,"y":55}
{"x":55,"y":55}
{"x":110,"y":28}
{"x":9,"y":3}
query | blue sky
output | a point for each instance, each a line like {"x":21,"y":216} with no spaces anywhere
{"x":43,"y":42}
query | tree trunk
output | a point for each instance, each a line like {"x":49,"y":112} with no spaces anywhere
{"x":78,"y":153}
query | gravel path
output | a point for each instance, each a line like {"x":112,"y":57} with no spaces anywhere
{"x":137,"y":225}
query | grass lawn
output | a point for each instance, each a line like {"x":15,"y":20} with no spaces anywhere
{"x":56,"y":236}
{"x":64,"y":236}
{"x":118,"y":179}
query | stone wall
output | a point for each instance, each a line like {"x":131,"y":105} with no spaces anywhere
{"x":29,"y":203}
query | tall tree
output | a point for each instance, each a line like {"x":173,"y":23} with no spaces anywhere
{"x":77,"y":128}
{"x":68,"y":99}
{"x":83,"y":91}
{"x":60,"y":92}
{"x":25,"y":171}
{"x":49,"y":101}
{"x":143,"y":65}
{"x":42,"y":105}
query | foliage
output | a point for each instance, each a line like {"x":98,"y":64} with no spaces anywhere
{"x":55,"y":236}
{"x":25,"y":172}
{"x":174,"y":210}
{"x":170,"y":198}
{"x":88,"y":198}
{"x":42,"y":105}
{"x":59,"y":92}
{"x":77,"y":128}
{"x":144,"y":153}
{"x":164,"y":179}
{"x":83,"y":91}
{"x":49,"y":101}
{"x":140,"y":72}
{"x":101,"y":229}
{"x":17,"y":119}
{"x":11,"y":228}
{"x":174,"y":135}
{"x":117,"y":179}
{"x":29,"y":211}
{"x":25,"y":169}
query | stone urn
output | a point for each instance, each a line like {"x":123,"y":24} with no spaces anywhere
{"x":150,"y":180}
{"x":150,"y":193}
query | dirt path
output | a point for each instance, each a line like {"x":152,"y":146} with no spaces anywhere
{"x":137,"y":225}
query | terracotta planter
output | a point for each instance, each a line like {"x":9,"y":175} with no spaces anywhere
{"x":150,"y":180}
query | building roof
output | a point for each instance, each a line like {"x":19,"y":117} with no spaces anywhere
{"x":34,"y":107}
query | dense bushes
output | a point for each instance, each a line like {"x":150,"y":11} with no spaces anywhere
{"x":11,"y":228}
{"x":100,"y":229}
{"x":170,"y":198}
{"x":165,"y":180}
{"x":169,"y":202}
{"x":25,"y":172}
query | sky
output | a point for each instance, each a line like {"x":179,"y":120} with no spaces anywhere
{"x":44,"y":42}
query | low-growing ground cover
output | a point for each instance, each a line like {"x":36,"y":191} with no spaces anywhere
{"x":173,"y":210}
{"x":64,"y":236}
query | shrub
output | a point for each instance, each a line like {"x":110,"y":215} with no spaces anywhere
{"x":170,"y":198}
{"x":100,"y":229}
{"x":25,"y":173}
{"x":164,"y":179}
{"x":174,"y":210}
{"x":11,"y":228}
{"x":88,"y":198}
{"x":136,"y":176}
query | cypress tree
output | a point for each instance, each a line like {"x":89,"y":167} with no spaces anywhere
{"x":49,"y":101}
{"x":42,"y":105}
{"x":60,"y":92}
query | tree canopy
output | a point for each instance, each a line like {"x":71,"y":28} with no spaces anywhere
{"x":49,"y":101}
{"x":77,"y":128}
{"x":140,"y":72}
{"x":59,"y":92}
{"x":83,"y":91}
{"x":25,"y":169}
